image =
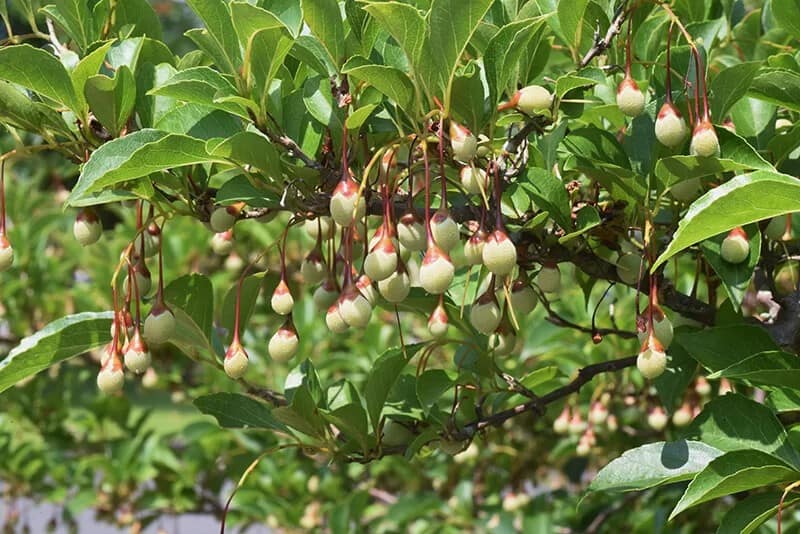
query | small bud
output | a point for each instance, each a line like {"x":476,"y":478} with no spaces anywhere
{"x":598,"y":413}
{"x":222,"y":243}
{"x":438,"y":322}
{"x":683,"y":415}
{"x":463,"y":143}
{"x":6,"y":253}
{"x":445,"y":230}
{"x":702,"y":387}
{"x":283,"y":344}
{"x":671,"y":129}
{"x":652,"y":360}
{"x":499,"y":254}
{"x":657,"y":419}
{"x":236,"y":360}
{"x":437,"y":271}
{"x":473,"y":180}
{"x":630,"y":98}
{"x":346,"y":204}
{"x":735,"y":247}
{"x":576,"y":424}
{"x":87,"y":228}
{"x":705,"y":142}
{"x":561,"y":423}
{"x":282,"y":301}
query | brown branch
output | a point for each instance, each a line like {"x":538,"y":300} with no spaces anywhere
{"x":601,"y":45}
{"x":558,"y":320}
{"x":289,"y":144}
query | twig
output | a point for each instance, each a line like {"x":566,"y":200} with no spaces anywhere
{"x":601,"y":45}
{"x":558,"y":320}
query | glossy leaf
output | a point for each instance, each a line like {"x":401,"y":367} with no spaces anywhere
{"x":112,"y":99}
{"x":735,"y":277}
{"x":65,"y":338}
{"x":752,"y":511}
{"x":730,"y":85}
{"x":772,"y":368}
{"x":713,"y":349}
{"x":504,"y":51}
{"x":39,"y":71}
{"x":233,"y":410}
{"x":201,"y":85}
{"x":549,"y":194}
{"x":779,"y":86}
{"x":325,"y":21}
{"x":217,"y":18}
{"x":382,"y":377}
{"x":75,"y":19}
{"x":390,"y":81}
{"x":194,"y":294}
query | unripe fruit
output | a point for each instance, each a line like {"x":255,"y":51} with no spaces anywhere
{"x":150,"y":378}
{"x":687,"y":190}
{"x":282,"y":301}
{"x":137,"y":357}
{"x":224,"y":217}
{"x":484,"y":146}
{"x":702,"y":387}
{"x":484,"y":315}
{"x":780,"y":228}
{"x":437,"y":271}
{"x":598,"y":413}
{"x":473,"y":180}
{"x":652,"y":360}
{"x":152,"y":239}
{"x":283,"y":344}
{"x":657,"y":419}
{"x":395,"y":288}
{"x":780,"y":124}
{"x":6,"y":254}
{"x":451,"y":447}
{"x":367,"y":289}
{"x":445,"y":230}
{"x":630,"y":98}
{"x":561,"y":423}
{"x":320,"y":225}
{"x":124,"y":318}
{"x":503,"y":340}
{"x":87,"y":227}
{"x":671,"y":129}
{"x":499,"y":253}
{"x":354,"y":308}
{"x":438,"y":322}
{"x":144,"y":281}
{"x":395,"y":434}
{"x":381,"y":262}
{"x":683,"y":416}
{"x":523,"y":298}
{"x":411,"y":232}
{"x":346,"y":204}
{"x":705,"y":142}
{"x":611,"y":423}
{"x":549,"y":279}
{"x":334,"y":321}
{"x":576,"y":424}
{"x":735,"y":247}
{"x":628,"y":267}
{"x":663,"y":330}
{"x":222,"y":243}
{"x":786,"y":278}
{"x":473,"y":248}
{"x":463,"y":143}
{"x":236,"y":360}
{"x":533,"y":99}
{"x":326,"y":294}
{"x":725,"y":387}
{"x":111,"y":378}
{"x":159,"y":326}
{"x":313,"y":268}
{"x":583,"y":448}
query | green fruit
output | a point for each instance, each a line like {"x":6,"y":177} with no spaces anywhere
{"x":683,"y":416}
{"x":159,"y":326}
{"x":437,"y":271}
{"x":687,"y":190}
{"x":137,"y":357}
{"x":735,"y":247}
{"x":549,"y":279}
{"x":523,"y":298}
{"x":445,"y":230}
{"x":705,"y":142}
{"x":110,"y":379}
{"x":367,"y":289}
{"x":463,"y":143}
{"x":236,"y":361}
{"x":628,"y":267}
{"x":533,"y":99}
{"x":6,"y":254}
{"x":657,"y":419}
{"x":346,"y":205}
{"x":326,"y":294}
{"x":334,"y":321}
{"x":630,"y":98}
{"x":411,"y":232}
{"x":354,"y":308}
{"x":223,"y":219}
{"x":651,"y":362}
{"x":786,"y":278}
{"x":395,"y":289}
{"x":474,"y":180}
{"x":473,"y":248}
{"x":87,"y":228}
{"x":438,"y":322}
{"x":282,"y":301}
{"x":381,"y":262}
{"x":222,"y":243}
{"x":499,"y":254}
{"x":283,"y":344}
{"x":663,"y":330}
{"x":671,"y":129}
{"x":485,"y":315}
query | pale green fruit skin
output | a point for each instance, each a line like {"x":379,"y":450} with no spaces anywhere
{"x":561,"y":425}
{"x":355,"y":310}
{"x":314,"y":228}
{"x":367,"y":289}
{"x":450,"y":447}
{"x":687,"y":190}
{"x":395,"y":435}
{"x":282,"y":302}
{"x":628,"y":266}
{"x":150,"y":378}
{"x":334,"y":321}
{"x":221,"y":220}
{"x":313,"y":271}
{"x":323,"y":298}
{"x":436,"y":277}
{"x":485,"y":318}
{"x":342,"y":207}
{"x":783,"y":123}
{"x":671,"y":129}
{"x":473,"y":180}
{"x":144,"y":284}
{"x":158,"y":329}
{"x":445,"y":232}
{"x":465,"y":148}
{"x":473,"y":251}
{"x":534,"y":99}
{"x":576,"y":426}
{"x":236,"y":365}
{"x":283,"y":345}
{"x":598,"y":416}
{"x":663,"y":331}
{"x":657,"y":420}
{"x":499,"y":255}
{"x":651,"y":363}
{"x":412,"y":236}
{"x":549,"y":279}
{"x":735,"y":249}
{"x":524,"y":301}
{"x":438,"y":323}
{"x":395,"y":288}
{"x":630,"y":100}
{"x":682,"y":417}
{"x":221,"y":245}
{"x":503,"y":344}
{"x":583,"y":449}
{"x":380,"y":264}
{"x":786,"y":277}
{"x":110,"y":380}
{"x":6,"y":258}
{"x":150,"y":244}
{"x":705,"y":143}
{"x":776,"y":228}
{"x":87,"y":232}
{"x":137,"y":361}
{"x":413,"y":264}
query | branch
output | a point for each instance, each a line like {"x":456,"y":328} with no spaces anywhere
{"x":291,"y":146}
{"x":558,"y":320}
{"x":601,"y":45}
{"x":584,"y":375}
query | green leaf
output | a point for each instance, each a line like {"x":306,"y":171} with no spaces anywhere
{"x":249,"y":19}
{"x":549,"y":194}
{"x":19,"y":111}
{"x":382,"y":377}
{"x":504,"y":52}
{"x":712,"y":347}
{"x":453,"y":23}
{"x":730,"y":85}
{"x":233,"y":410}
{"x":351,"y":419}
{"x":194,"y":294}
{"x":752,"y":511}
{"x":672,"y":384}
{"x":653,"y":465}
{"x":731,"y":473}
{"x":432,"y":384}
{"x":404,"y":23}
{"x":249,"y":148}
{"x":136,"y":17}
{"x":742,"y":200}
{"x":587,"y":218}
{"x":570,"y":20}
{"x":733,"y":422}
{"x":75,"y":19}
{"x":302,"y":414}
{"x":568,"y":82}
{"x":35,"y":69}
{"x":217,"y":18}
{"x":735,"y":277}
{"x":356,"y":120}
{"x":136,"y":155}
{"x":266,"y":52}
{"x":390,"y":81}
{"x":325,"y":21}
{"x":770,"y":368}
{"x":251,"y":286}
{"x":201,"y":85}
{"x":199,"y":122}
{"x":781,"y":87}
{"x":65,"y":338}
{"x":468,"y":102}
{"x":88,"y":67}
{"x":785,"y":14}
{"x":112,"y":99}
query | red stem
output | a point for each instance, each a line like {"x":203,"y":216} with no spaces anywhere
{"x":427,"y":193}
{"x":628,"y":48}
{"x":668,"y":84}
{"x":441,"y":163}
{"x":497,"y":197}
{"x":3,"y":198}
{"x":160,"y":294}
